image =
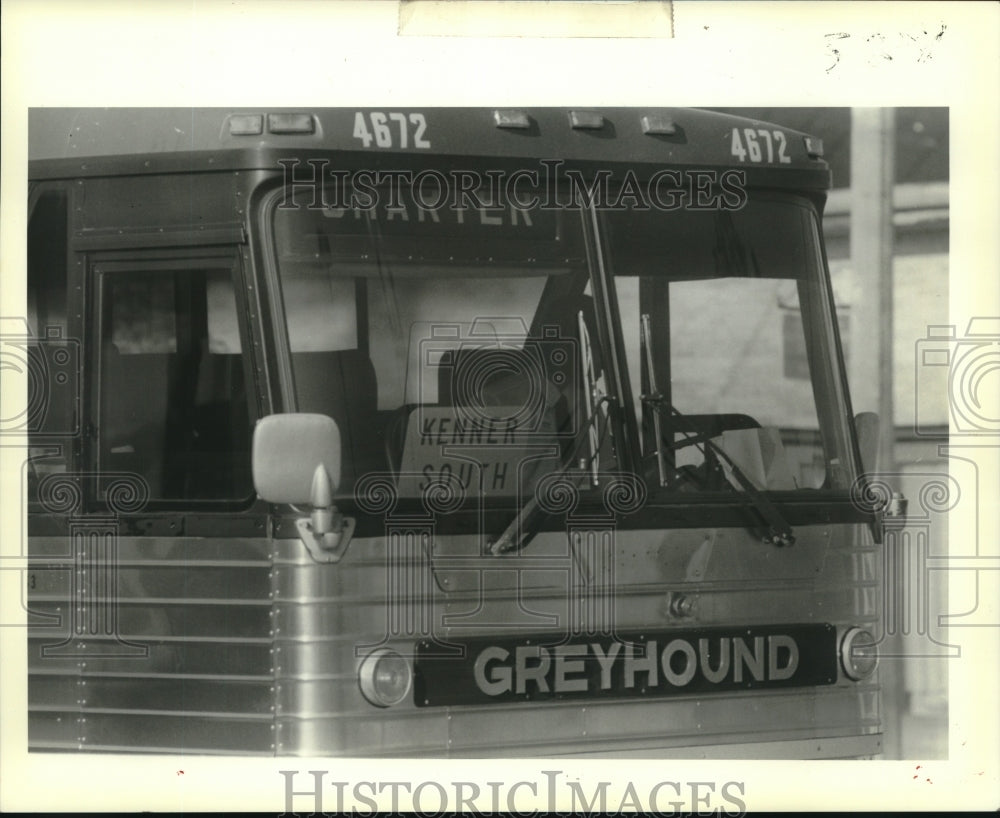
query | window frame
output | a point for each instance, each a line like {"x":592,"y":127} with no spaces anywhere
{"x":675,"y":509}
{"x":66,"y":442}
{"x":834,"y":421}
{"x":103,"y":265}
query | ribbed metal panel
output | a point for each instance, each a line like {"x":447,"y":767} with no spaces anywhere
{"x":323,"y":614}
{"x":561,"y":727}
{"x":189,"y":666}
{"x":251,"y":647}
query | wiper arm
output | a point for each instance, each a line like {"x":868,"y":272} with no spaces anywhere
{"x":524,"y":525}
{"x":593,"y":392}
{"x":779,"y":530}
{"x":654,"y":396}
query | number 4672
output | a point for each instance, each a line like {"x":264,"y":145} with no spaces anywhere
{"x":773,"y":141}
{"x":390,"y":130}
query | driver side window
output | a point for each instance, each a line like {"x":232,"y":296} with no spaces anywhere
{"x":173,"y":402}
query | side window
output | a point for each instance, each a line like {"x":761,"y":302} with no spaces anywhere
{"x":47,"y":264}
{"x":173,"y":402}
{"x":53,"y":358}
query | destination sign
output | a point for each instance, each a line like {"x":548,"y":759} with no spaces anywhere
{"x":407,"y":217}
{"x":397,"y":227}
{"x":664,"y":663}
{"x":502,"y":454}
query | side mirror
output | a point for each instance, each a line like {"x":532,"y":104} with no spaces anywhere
{"x":287,"y":449}
{"x":296,"y":459}
{"x":867,"y":426}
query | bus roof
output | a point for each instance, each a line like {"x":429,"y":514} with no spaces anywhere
{"x":250,"y":137}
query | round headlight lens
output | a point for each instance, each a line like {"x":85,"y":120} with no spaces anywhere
{"x":859,"y":654}
{"x":385,"y":677}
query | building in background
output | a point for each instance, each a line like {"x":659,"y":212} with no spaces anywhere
{"x":915,"y":683}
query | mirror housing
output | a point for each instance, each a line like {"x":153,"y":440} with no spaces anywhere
{"x":867,"y":426}
{"x":287,"y":449}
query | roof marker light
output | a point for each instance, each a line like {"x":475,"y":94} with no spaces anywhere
{"x":246,"y":124}
{"x":814,"y":147}
{"x":658,"y":124}
{"x":511,"y":119}
{"x":290,"y":123}
{"x":586,"y":120}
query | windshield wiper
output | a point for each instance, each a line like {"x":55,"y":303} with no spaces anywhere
{"x":647,"y":355}
{"x":525,"y":524}
{"x":779,"y":531}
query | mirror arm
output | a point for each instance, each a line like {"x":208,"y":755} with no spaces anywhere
{"x":327,"y":532}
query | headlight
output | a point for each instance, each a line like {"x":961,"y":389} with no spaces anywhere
{"x":384,"y":677}
{"x":859,"y":654}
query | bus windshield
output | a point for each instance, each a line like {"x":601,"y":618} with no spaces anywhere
{"x":444,"y":343}
{"x":728,"y":337}
{"x":462,"y":347}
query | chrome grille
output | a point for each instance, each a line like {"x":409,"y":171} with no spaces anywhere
{"x":196,"y":674}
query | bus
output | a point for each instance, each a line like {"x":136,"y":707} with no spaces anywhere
{"x":442,"y":432}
